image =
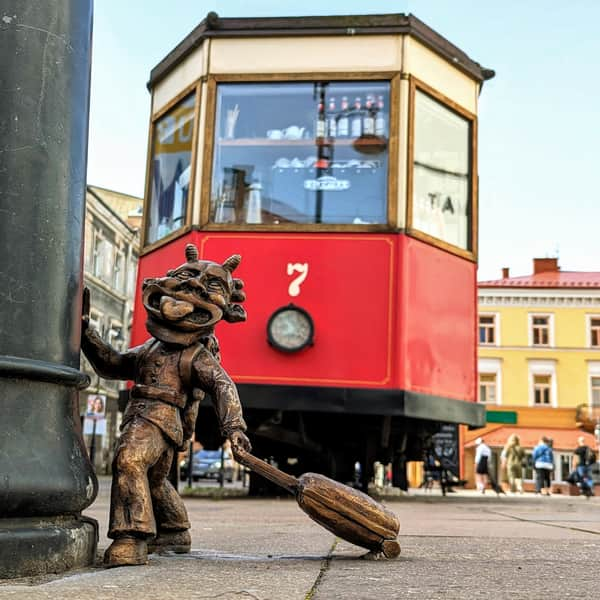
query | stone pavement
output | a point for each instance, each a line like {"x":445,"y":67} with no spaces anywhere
{"x":463,"y":546}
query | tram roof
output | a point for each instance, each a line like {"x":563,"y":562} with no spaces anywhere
{"x":213,"y":26}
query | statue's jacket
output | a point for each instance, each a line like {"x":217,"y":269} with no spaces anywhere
{"x":169,"y":383}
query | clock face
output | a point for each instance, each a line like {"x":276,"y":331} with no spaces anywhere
{"x":290,"y":329}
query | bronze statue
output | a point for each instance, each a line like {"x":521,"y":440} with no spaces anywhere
{"x":171,"y":373}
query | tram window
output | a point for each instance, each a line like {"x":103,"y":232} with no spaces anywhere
{"x":301,"y":152}
{"x":441,"y":172}
{"x":170,"y":169}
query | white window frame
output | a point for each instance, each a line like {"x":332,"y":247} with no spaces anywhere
{"x":550,"y":330}
{"x":96,"y":266}
{"x":131,"y":279}
{"x":496,"y":317}
{"x":593,"y":371}
{"x":103,"y":258}
{"x":543,"y":367}
{"x":96,"y":320}
{"x":491,"y":366}
{"x":119,"y":271}
{"x":588,"y":330}
{"x":556,"y":474}
{"x":114,"y":329}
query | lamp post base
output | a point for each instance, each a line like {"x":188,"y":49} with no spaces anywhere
{"x":39,"y":546}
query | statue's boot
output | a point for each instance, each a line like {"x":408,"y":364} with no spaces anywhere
{"x":126,"y":551}
{"x":179,"y":542}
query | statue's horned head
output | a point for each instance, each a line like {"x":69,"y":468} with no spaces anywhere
{"x":194,"y":297}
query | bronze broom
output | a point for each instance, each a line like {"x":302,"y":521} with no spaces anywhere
{"x":346,"y":512}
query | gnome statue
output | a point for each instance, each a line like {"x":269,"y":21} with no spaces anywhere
{"x":171,"y":372}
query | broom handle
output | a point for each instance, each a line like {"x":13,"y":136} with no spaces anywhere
{"x":288,"y":482}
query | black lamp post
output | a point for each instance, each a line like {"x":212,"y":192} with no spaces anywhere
{"x":46,"y":479}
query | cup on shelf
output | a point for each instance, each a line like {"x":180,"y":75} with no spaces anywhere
{"x":275,"y":134}
{"x":282,"y":163}
{"x":293,"y":132}
{"x":296,"y":163}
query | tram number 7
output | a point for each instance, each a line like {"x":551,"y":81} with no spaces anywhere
{"x":302,"y":269}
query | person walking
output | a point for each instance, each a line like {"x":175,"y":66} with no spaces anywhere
{"x":512,"y":457}
{"x":482,"y":456}
{"x":584,"y":459}
{"x":543,"y":461}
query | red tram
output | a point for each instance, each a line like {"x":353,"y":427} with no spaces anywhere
{"x":338,"y":156}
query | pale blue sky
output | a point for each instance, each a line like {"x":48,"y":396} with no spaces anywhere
{"x":539,"y":131}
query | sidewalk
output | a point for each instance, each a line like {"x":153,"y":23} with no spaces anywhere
{"x":463,"y":546}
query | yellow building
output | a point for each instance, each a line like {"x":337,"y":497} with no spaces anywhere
{"x":539,"y":360}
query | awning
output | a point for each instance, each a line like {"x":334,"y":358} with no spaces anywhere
{"x":562,"y":439}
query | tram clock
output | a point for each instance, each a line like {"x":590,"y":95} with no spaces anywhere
{"x":290,"y":329}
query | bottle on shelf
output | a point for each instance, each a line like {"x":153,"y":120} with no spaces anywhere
{"x":331,"y":119}
{"x":380,"y":118}
{"x":342,"y":124}
{"x":321,"y":123}
{"x":369,"y":117}
{"x":225,"y":212}
{"x":254,"y":202}
{"x":356,"y":125}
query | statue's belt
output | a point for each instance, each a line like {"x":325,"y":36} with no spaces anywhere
{"x":159,"y":393}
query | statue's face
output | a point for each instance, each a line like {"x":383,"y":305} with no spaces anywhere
{"x":192,"y":299}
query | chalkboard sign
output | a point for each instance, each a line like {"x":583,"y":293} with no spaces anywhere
{"x":445,"y":445}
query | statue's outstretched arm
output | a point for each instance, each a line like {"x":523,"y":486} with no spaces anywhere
{"x":106,"y":361}
{"x":214,"y":380}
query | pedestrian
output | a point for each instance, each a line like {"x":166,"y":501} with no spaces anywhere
{"x":431,"y":469}
{"x":584,"y":459}
{"x":482,"y":457}
{"x":512,"y":457}
{"x":543,"y":461}
{"x":388,"y":475}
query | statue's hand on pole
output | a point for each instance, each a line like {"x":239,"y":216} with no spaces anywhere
{"x":85,"y":310}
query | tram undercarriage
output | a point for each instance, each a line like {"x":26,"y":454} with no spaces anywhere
{"x":331,"y":443}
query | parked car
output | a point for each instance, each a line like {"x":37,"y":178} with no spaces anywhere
{"x":206,"y":464}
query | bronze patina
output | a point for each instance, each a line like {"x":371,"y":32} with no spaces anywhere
{"x":171,"y":372}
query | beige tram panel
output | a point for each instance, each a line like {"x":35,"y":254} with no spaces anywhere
{"x":188,"y":71}
{"x":318,"y":54}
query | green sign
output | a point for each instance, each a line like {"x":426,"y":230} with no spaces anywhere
{"x":501,"y":416}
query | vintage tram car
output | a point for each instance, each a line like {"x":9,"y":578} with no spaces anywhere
{"x":338,"y":156}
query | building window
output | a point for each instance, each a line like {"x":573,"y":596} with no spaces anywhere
{"x":441,"y":203}
{"x":488,"y":387}
{"x":103,"y":258}
{"x":170,"y":170}
{"x":115,"y":337}
{"x":132,"y":276}
{"x":487,"y":330}
{"x":595,"y":332}
{"x":542,"y":390}
{"x":119,"y":270}
{"x":97,"y":255}
{"x":304,"y":152}
{"x":95,"y":320}
{"x":595,"y":392}
{"x":540,"y":330}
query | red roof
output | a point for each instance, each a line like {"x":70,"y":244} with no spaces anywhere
{"x":562,"y":439}
{"x":549,"y":279}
